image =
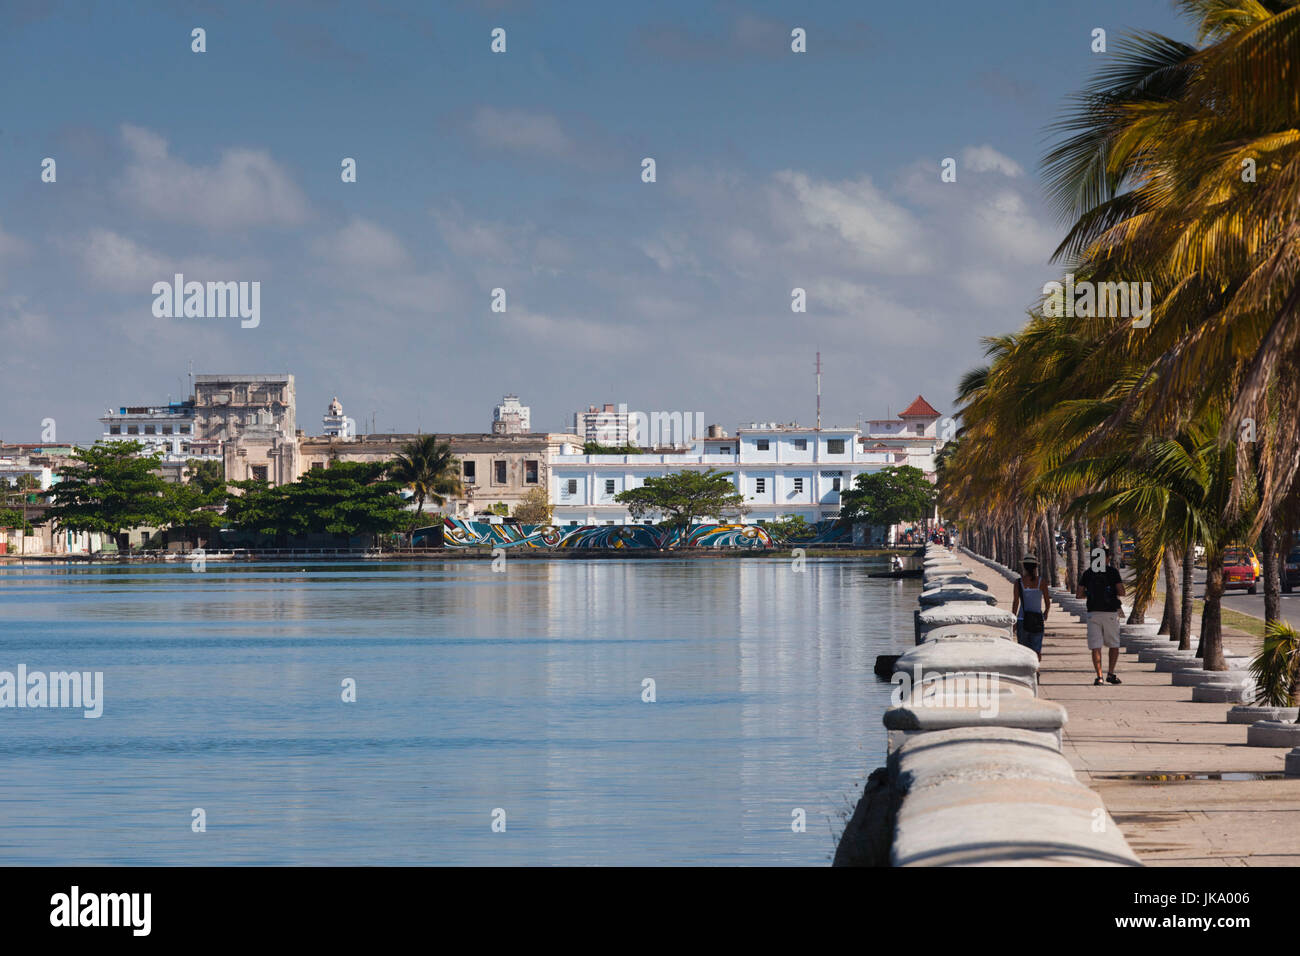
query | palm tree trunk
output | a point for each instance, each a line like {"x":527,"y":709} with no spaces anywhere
{"x":1071,"y":557}
{"x":1141,"y":599}
{"x":1211,"y":649}
{"x":1189,"y":572}
{"x":1049,"y":542}
{"x":1171,"y":624}
{"x":1272,"y":582}
{"x":1115,"y":551}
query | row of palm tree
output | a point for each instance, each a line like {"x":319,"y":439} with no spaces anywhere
{"x":1178,"y":166}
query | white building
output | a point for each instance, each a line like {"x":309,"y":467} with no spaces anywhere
{"x":168,"y":429}
{"x":605,"y":425}
{"x":336,"y":424}
{"x":782,"y":470}
{"x":511,"y":418}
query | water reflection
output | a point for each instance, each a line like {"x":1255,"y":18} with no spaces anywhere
{"x":476,"y":690}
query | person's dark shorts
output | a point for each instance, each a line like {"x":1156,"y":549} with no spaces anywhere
{"x":1032,"y":641}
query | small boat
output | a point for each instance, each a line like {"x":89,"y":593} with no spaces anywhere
{"x":905,"y":573}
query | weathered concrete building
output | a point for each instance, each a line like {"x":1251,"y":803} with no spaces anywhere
{"x":254,"y":418}
{"x":494,"y":468}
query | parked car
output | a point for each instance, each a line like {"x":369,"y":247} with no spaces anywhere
{"x":1291,"y":570}
{"x":1241,"y":569}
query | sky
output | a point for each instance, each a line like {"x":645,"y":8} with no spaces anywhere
{"x":522,"y":170}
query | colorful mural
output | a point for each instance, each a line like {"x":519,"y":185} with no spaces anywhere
{"x":458,"y":533}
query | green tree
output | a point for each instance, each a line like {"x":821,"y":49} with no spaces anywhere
{"x":429,"y":469}
{"x":888,"y":496}
{"x":683,"y":496}
{"x":535,"y":508}
{"x":789,"y":528}
{"x":196,"y":506}
{"x":110,"y":488}
{"x":349,"y":498}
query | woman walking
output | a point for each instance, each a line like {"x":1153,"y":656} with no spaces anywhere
{"x":1030,"y":605}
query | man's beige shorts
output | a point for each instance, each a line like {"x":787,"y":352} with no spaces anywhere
{"x":1103,"y":628}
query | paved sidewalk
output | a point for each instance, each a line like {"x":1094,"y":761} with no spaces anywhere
{"x":1146,"y":728}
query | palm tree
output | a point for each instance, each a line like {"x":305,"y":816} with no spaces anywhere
{"x":428,"y":468}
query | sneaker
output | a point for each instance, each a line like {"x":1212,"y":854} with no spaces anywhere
{"x":1112,"y":679}
{"x":1097,"y":682}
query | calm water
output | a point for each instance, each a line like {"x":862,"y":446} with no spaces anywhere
{"x":476,"y":690}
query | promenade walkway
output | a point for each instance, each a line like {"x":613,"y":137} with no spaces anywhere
{"x":1135,"y":744}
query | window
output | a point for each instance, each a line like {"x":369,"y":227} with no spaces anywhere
{"x":798,"y":485}
{"x":835,"y":446}
{"x":499,"y":472}
{"x":573,"y":524}
{"x":760,"y":485}
{"x":149,"y":429}
{"x":133,"y":429}
{"x":185,"y":429}
{"x":724,"y":450}
{"x":317,"y":466}
{"x":115,"y":429}
{"x":572,"y":486}
{"x":166,"y":429}
{"x":609,"y":490}
{"x":259,"y":472}
{"x":467,"y":471}
{"x":530,"y":472}
{"x":835,"y":484}
{"x":761,"y":444}
{"x":801,"y":444}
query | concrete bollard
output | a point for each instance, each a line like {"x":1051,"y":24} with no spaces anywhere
{"x":1273,"y":733}
{"x":1293,"y":763}
{"x":961,"y":612}
{"x":944,"y":595}
{"x":913,"y":717}
{"x":967,"y":654}
{"x":987,"y":795}
{"x":1194,"y":678}
{"x":1153,"y":655}
{"x":1221,"y":692}
{"x":1250,"y":713}
{"x":1138,"y":630}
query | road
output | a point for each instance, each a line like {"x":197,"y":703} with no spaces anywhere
{"x":1252,"y":604}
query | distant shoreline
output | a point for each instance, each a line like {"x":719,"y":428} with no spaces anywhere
{"x":460,"y":554}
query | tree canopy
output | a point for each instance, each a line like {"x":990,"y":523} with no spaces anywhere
{"x":348,"y":498}
{"x":110,"y":488}
{"x":682,"y":497}
{"x":886,"y":497}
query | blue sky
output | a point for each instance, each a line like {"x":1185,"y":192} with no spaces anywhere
{"x":521,"y":171}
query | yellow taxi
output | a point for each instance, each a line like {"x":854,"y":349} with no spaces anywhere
{"x":1241,"y":569}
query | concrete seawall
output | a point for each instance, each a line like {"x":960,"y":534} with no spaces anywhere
{"x":974,"y":774}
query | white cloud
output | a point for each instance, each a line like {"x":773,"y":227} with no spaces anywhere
{"x":521,"y":132}
{"x":986,"y":159}
{"x":118,"y":262}
{"x":871,"y":227}
{"x":362,"y":244}
{"x":245,"y":188}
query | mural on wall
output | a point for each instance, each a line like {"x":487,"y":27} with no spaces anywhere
{"x":459,"y":533}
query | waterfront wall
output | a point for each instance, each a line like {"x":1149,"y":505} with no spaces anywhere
{"x":974,"y":774}
{"x":459,"y":533}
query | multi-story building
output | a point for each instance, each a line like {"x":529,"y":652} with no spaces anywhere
{"x":493,"y":468}
{"x":165,"y":429}
{"x":782,"y":470}
{"x":605,"y":425}
{"x":254,"y":419}
{"x":511,"y":418}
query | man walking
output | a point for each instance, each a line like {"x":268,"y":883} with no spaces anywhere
{"x":1103,"y":589}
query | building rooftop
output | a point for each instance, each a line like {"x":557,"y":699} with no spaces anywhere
{"x":919,"y":408}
